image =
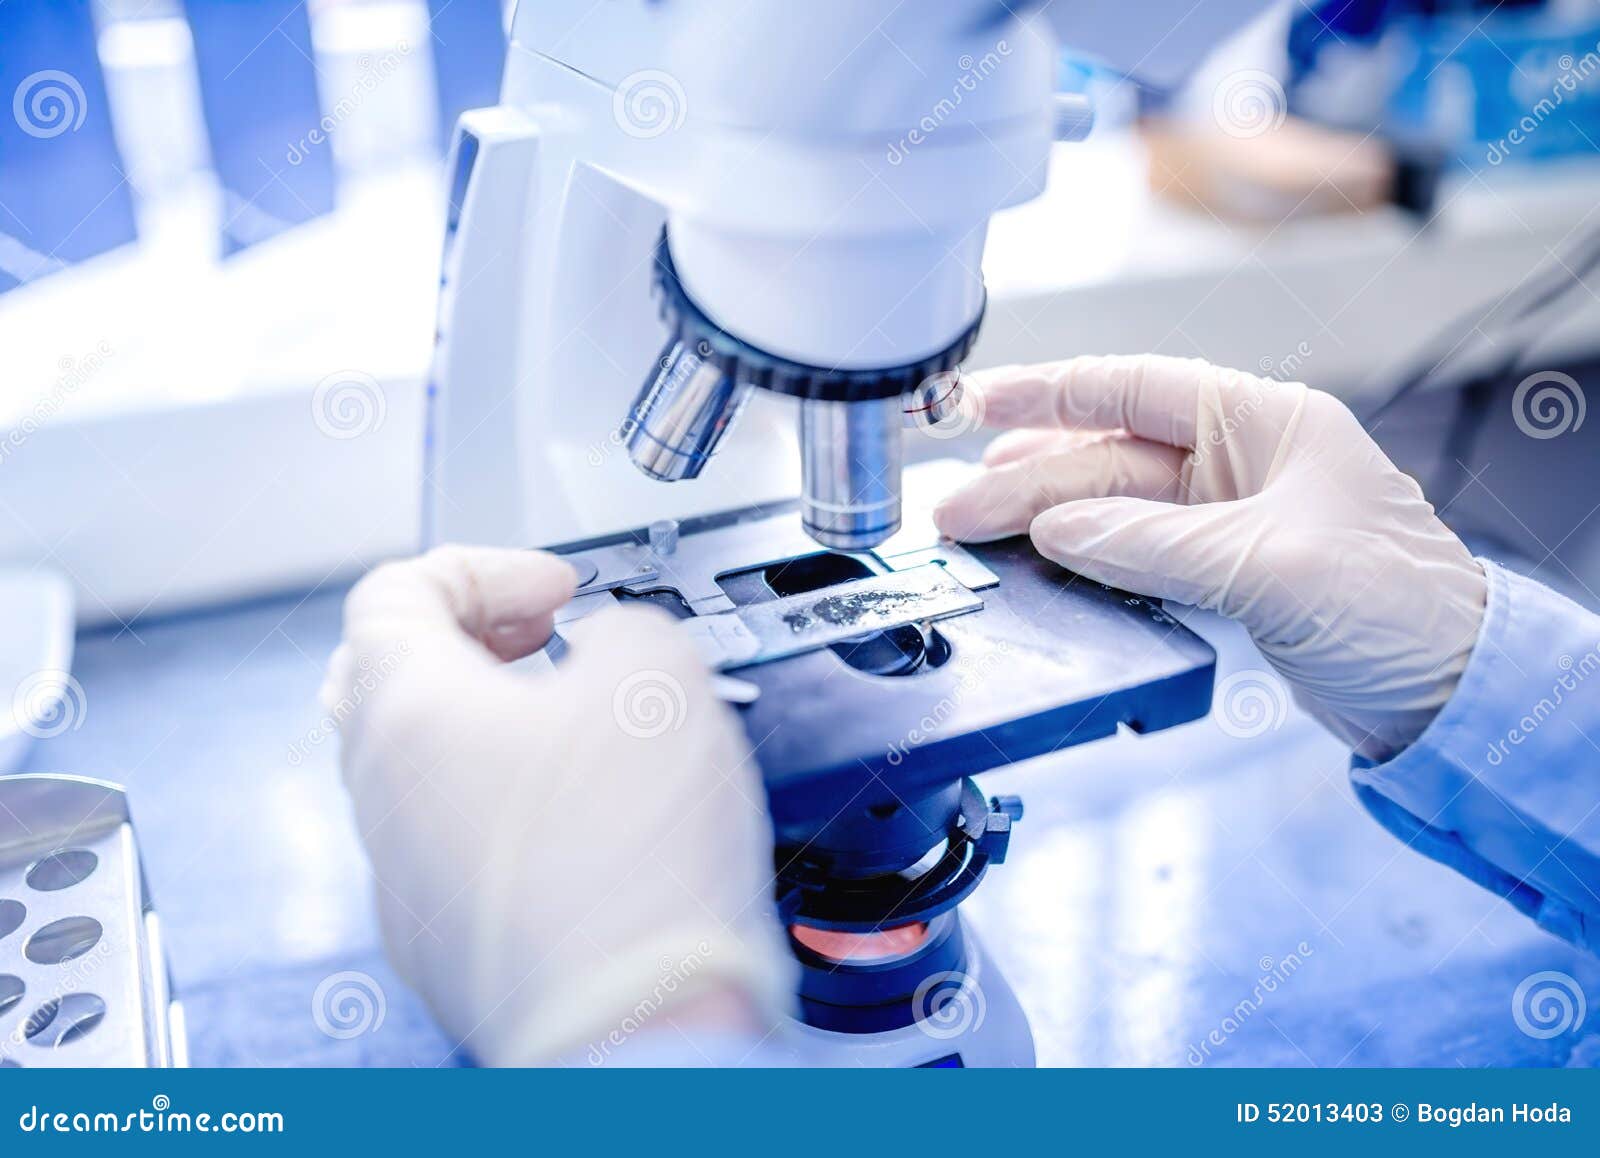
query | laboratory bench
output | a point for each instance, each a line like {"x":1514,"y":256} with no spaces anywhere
{"x":1189,"y":897}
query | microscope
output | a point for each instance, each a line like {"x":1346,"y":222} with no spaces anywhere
{"x":686,"y":216}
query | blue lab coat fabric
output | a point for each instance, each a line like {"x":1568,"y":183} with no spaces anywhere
{"x":1504,"y":786}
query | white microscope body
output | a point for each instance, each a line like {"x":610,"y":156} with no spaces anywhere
{"x":825,"y":195}
{"x":824,"y":173}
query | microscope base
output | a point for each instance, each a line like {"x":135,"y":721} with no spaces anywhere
{"x":981,"y":1024}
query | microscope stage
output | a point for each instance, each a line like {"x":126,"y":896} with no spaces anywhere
{"x":977,"y":656}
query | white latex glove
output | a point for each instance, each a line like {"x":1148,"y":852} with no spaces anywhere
{"x":1263,"y":500}
{"x":562,"y":857}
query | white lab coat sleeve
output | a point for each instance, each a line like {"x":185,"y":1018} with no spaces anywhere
{"x":1504,"y":785}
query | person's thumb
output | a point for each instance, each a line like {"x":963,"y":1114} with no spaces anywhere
{"x":1187,"y":554}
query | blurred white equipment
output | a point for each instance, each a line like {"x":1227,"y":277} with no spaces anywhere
{"x":36,"y":631}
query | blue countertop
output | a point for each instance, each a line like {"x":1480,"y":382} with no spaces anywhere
{"x":1185,"y":898}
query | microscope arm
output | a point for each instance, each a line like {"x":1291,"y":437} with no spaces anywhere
{"x":492,"y":167}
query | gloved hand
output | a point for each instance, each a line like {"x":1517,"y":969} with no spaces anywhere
{"x":560,"y":856}
{"x":1263,"y":500}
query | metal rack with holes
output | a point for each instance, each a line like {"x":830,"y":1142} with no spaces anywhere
{"x":83,"y":978}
